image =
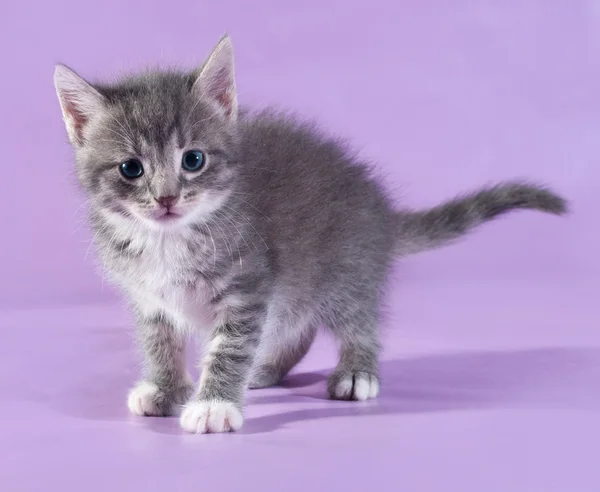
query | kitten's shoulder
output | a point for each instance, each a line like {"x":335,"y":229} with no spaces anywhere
{"x":284,"y":134}
{"x":279,"y":121}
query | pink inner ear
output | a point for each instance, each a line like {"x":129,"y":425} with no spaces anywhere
{"x":221,"y":89}
{"x":77,"y":117}
{"x":226,"y":100}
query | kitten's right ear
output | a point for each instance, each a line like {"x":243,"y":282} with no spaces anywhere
{"x":79,"y":101}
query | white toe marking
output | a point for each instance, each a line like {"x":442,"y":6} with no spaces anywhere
{"x":210,"y":416}
{"x":344,"y":388}
{"x":374,"y":388}
{"x":361,"y":388}
{"x":141,"y":399}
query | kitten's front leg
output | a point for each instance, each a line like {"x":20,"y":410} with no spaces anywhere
{"x":217,"y":405}
{"x":166,"y":385}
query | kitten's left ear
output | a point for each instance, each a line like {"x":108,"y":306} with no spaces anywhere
{"x":79,"y":101}
{"x":216,"y":79}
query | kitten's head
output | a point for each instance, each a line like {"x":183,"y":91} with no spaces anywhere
{"x":158,"y":148}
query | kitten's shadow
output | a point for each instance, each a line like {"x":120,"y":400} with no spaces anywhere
{"x":552,"y":378}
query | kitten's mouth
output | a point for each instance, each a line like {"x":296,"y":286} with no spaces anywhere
{"x":167,"y":216}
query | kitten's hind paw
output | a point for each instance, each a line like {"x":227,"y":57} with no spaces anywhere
{"x":202,"y":417}
{"x":264,"y":377}
{"x":357,"y":386}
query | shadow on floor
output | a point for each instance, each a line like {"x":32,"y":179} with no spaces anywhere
{"x":548,"y":378}
{"x":552,"y":378}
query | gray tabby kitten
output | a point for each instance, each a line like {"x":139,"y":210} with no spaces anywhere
{"x":251,"y":230}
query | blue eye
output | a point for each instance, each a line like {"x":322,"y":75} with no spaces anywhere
{"x":192,"y":160}
{"x":131,"y":169}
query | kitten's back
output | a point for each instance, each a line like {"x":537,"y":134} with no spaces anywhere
{"x":312,"y":188}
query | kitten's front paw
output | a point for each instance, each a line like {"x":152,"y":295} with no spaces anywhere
{"x":201,"y":417}
{"x":353,"y":386}
{"x":143,"y":399}
{"x":147,"y":399}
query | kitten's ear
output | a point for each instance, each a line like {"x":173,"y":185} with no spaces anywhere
{"x":79,"y":101}
{"x":216,"y":78}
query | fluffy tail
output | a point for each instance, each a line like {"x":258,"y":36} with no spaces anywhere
{"x":429,"y":229}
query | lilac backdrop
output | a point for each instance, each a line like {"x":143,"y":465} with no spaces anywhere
{"x":443,"y":96}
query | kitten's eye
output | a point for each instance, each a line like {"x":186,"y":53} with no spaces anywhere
{"x":192,"y":160}
{"x":132,"y":169}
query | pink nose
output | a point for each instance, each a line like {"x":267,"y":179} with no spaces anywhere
{"x":166,"y":201}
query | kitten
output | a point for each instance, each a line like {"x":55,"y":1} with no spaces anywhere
{"x":251,"y":230}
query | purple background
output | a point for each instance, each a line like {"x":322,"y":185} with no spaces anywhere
{"x":492,"y":371}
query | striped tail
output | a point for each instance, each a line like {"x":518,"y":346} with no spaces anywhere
{"x":429,"y":229}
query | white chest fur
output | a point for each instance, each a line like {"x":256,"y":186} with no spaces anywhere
{"x":161,"y":278}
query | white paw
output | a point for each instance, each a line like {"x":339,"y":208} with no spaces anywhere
{"x":362,"y":386}
{"x":142,"y":401}
{"x":210,"y":416}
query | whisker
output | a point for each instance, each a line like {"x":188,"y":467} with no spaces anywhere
{"x":248,"y":203}
{"x":236,"y":242}
{"x":85,"y":202}
{"x":122,"y":136}
{"x":224,"y":237}
{"x":127,"y":134}
{"x":235,"y":224}
{"x":250,"y":223}
{"x":204,"y":226}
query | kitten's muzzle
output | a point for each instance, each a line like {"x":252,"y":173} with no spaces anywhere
{"x":166,"y":210}
{"x":168,"y":201}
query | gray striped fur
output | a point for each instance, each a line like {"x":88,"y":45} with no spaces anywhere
{"x":283,"y":231}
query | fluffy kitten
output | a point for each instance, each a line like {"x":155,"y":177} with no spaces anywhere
{"x":249,"y":229}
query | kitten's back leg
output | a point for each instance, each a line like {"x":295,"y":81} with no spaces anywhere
{"x":274,"y":364}
{"x":356,"y":377}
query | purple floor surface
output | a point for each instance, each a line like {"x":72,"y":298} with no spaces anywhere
{"x":486,"y":388}
{"x":491,"y":373}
